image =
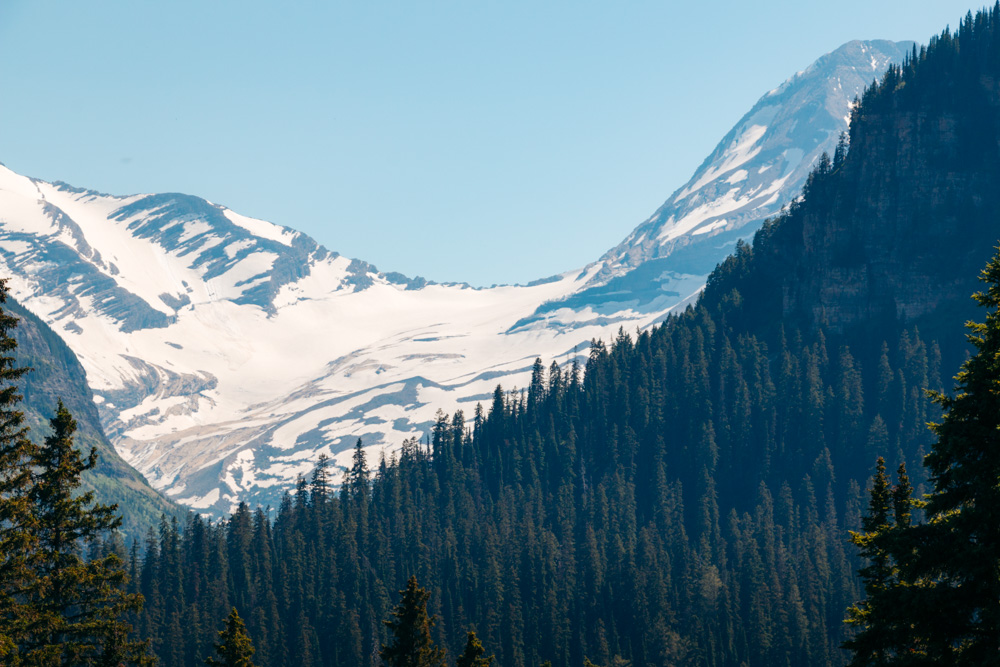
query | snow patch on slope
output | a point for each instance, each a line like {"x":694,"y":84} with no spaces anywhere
{"x":262,"y":228}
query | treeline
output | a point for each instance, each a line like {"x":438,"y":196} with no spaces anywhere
{"x":684,"y":498}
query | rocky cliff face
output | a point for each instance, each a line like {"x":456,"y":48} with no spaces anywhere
{"x":913,"y":228}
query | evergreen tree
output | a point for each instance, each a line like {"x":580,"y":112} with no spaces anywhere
{"x":884,"y":637}
{"x":234,"y":646}
{"x":356,"y":479}
{"x":410,"y":643}
{"x":320,"y":490}
{"x":958,"y":548}
{"x":17,"y":535}
{"x":78,"y":603}
{"x":934,"y":587}
{"x":473,"y":654}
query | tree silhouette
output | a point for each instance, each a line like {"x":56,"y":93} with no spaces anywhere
{"x":410,"y":644}
{"x":473,"y":654}
{"x":234,"y":646}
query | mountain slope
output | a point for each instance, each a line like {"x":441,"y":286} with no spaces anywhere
{"x":190,"y":328}
{"x":56,"y":374}
{"x":226,"y":353}
{"x":758,"y":168}
{"x":762,"y":163}
{"x":898,"y":232}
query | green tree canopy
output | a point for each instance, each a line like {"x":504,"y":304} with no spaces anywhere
{"x":410,"y":643}
{"x":234,"y":646}
{"x":474,"y":653}
{"x":77,"y":604}
{"x":958,"y":547}
{"x":884,"y":634}
{"x":17,"y":537}
{"x":934,"y":587}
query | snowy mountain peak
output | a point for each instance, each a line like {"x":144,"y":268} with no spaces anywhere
{"x":762,"y":163}
{"x":146,"y":257}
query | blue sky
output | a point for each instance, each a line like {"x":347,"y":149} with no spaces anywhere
{"x":486,"y":142}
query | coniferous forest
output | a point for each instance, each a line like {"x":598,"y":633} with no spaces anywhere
{"x":601,"y":513}
{"x":684,"y":497}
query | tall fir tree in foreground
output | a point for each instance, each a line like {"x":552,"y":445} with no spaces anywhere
{"x":78,"y":603}
{"x":17,"y":536}
{"x":234,"y":646}
{"x":934,"y":587}
{"x":410,"y":643}
{"x":958,"y":547}
{"x":55,"y":606}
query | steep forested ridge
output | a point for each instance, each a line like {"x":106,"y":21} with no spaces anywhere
{"x":685,"y":497}
{"x":609,"y":515}
{"x":897,"y":228}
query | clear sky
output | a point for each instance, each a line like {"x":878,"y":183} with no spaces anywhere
{"x":477,"y":141}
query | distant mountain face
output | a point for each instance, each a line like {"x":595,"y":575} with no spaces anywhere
{"x":758,"y":168}
{"x":226,"y":353}
{"x":761,"y":164}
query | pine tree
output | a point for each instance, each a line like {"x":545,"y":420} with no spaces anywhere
{"x":959,"y":545}
{"x":945,"y":605}
{"x":356,"y":479}
{"x":473,"y":654}
{"x":17,"y":536}
{"x":884,"y":637}
{"x":234,"y":646}
{"x":840,"y":154}
{"x":79,"y":603}
{"x":320,"y":489}
{"x":410,"y":643}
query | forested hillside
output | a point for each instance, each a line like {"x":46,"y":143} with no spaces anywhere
{"x":685,"y":497}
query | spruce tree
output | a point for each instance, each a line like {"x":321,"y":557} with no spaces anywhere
{"x":17,"y":535}
{"x":473,"y":655}
{"x":884,"y":636}
{"x":958,"y":547}
{"x":410,"y":643}
{"x":78,"y":603}
{"x":234,"y":646}
{"x":356,"y":479}
{"x":934,"y":587}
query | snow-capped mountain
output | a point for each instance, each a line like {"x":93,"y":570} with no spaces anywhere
{"x":226,"y":353}
{"x":758,"y":167}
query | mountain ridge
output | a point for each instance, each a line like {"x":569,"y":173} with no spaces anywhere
{"x":787,"y":129}
{"x":766,"y":128}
